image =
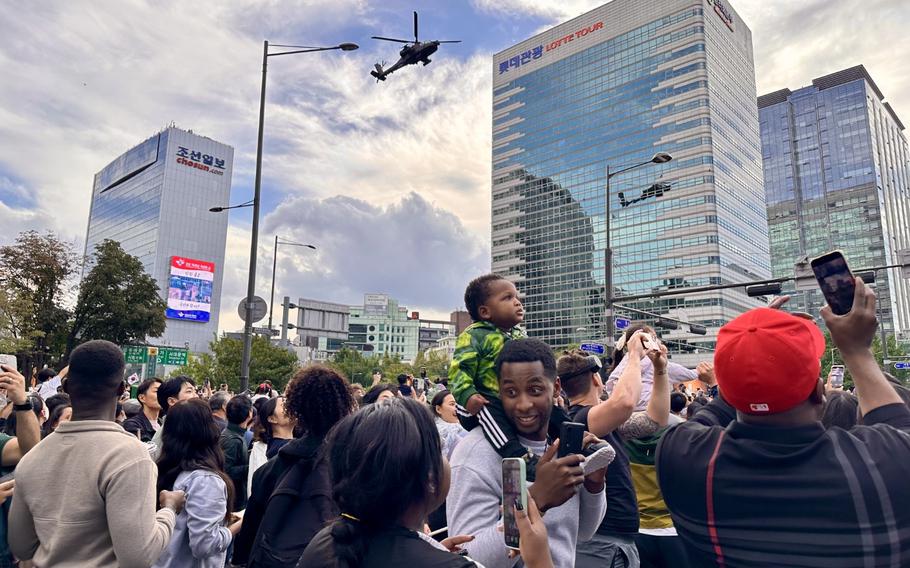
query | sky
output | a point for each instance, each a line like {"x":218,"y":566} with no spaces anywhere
{"x":390,"y":181}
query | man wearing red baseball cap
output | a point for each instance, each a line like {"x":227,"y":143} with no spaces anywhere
{"x":755,"y":480}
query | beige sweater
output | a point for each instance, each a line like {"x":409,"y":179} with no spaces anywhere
{"x":85,"y":496}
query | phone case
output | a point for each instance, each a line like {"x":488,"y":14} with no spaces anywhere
{"x":514,"y":488}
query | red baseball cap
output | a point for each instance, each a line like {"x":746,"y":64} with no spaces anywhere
{"x":768,"y":361}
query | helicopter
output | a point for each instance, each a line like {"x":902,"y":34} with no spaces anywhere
{"x":411,"y":53}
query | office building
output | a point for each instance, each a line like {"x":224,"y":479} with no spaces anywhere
{"x":382,"y":326}
{"x":611,"y":88}
{"x":322,"y":329}
{"x":154,"y":200}
{"x":461,"y":319}
{"x":431,"y":331}
{"x":836,"y":177}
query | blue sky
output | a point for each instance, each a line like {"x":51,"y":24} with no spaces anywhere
{"x":391,"y":181}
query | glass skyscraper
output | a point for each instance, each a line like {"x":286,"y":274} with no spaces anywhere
{"x":613,"y":87}
{"x":154,"y":200}
{"x":836,"y":177}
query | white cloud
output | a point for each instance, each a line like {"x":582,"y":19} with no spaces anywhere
{"x":421,"y":254}
{"x":83,"y":81}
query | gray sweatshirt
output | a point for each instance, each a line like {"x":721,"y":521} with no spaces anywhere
{"x":85,"y":496}
{"x":476,"y":495}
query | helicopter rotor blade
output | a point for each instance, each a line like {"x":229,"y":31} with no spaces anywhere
{"x":415,"y":27}
{"x":391,"y":39}
{"x":450,"y":41}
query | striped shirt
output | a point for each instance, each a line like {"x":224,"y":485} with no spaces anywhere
{"x":472,"y":368}
{"x":743,"y":495}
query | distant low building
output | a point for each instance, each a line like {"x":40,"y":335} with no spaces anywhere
{"x":322,"y":329}
{"x":444,"y":346}
{"x":381,"y":326}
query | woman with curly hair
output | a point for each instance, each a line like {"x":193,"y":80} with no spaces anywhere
{"x":291,"y":498}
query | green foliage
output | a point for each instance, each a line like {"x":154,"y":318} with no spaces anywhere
{"x":35,"y":276}
{"x":359,"y":367}
{"x":895,"y":351}
{"x":118,"y":301}
{"x":222,"y":365}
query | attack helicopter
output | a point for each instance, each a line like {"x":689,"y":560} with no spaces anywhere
{"x":411,"y":53}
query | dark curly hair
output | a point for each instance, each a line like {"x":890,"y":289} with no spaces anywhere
{"x":318,"y":397}
{"x":477,"y":292}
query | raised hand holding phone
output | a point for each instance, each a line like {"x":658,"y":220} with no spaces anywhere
{"x":514,"y":494}
{"x":835,"y":280}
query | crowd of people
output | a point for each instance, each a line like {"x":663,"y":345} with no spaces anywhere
{"x":749,"y":460}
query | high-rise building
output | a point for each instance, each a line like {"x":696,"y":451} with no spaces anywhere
{"x":836,"y":177}
{"x":611,"y":88}
{"x":154,"y":200}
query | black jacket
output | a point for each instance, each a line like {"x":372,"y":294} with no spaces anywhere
{"x":236,"y":462}
{"x":394,"y":547}
{"x":300,"y":475}
{"x":140,"y":423}
{"x":757,"y":496}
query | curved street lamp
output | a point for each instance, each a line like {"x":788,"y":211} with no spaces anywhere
{"x":257,"y":190}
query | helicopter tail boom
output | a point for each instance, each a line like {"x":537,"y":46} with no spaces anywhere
{"x":378,"y":73}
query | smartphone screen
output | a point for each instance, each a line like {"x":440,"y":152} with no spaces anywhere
{"x":835,"y":280}
{"x":837,"y":375}
{"x":571,"y":436}
{"x":514,"y":490}
{"x":9,"y":361}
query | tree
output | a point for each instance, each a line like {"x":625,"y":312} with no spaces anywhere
{"x":222,"y":365}
{"x":895,"y":351}
{"x":359,"y":368}
{"x":118,"y":300}
{"x":35,"y":273}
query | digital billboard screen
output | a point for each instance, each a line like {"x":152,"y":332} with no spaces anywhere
{"x":189,"y":293}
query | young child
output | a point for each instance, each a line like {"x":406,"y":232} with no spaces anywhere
{"x":493,"y":303}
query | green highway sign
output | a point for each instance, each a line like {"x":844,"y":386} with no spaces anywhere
{"x":145,"y":354}
{"x":172,"y":356}
{"x":135,"y":354}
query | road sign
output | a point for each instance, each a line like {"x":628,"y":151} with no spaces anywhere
{"x":260,"y":309}
{"x":135,"y":354}
{"x":265,"y":331}
{"x":901,"y":365}
{"x":622,"y":323}
{"x":595,"y":348}
{"x":176,"y":356}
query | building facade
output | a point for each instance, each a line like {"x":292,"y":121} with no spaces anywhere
{"x":611,"y":88}
{"x":836,"y":177}
{"x":431,"y":331}
{"x":154,"y":200}
{"x":322,"y":329}
{"x":382,"y":326}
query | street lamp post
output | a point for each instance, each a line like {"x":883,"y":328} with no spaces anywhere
{"x":251,"y":281}
{"x":658,"y":158}
{"x":275,"y":266}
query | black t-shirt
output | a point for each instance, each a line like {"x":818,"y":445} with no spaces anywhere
{"x":622,"y":503}
{"x":395,"y":547}
{"x":757,"y":496}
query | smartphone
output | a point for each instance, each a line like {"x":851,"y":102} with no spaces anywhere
{"x":8,"y":477}
{"x":514,"y":490}
{"x":571,"y":436}
{"x":835,"y":280}
{"x":650,"y":342}
{"x":9,"y":361}
{"x":837,"y":375}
